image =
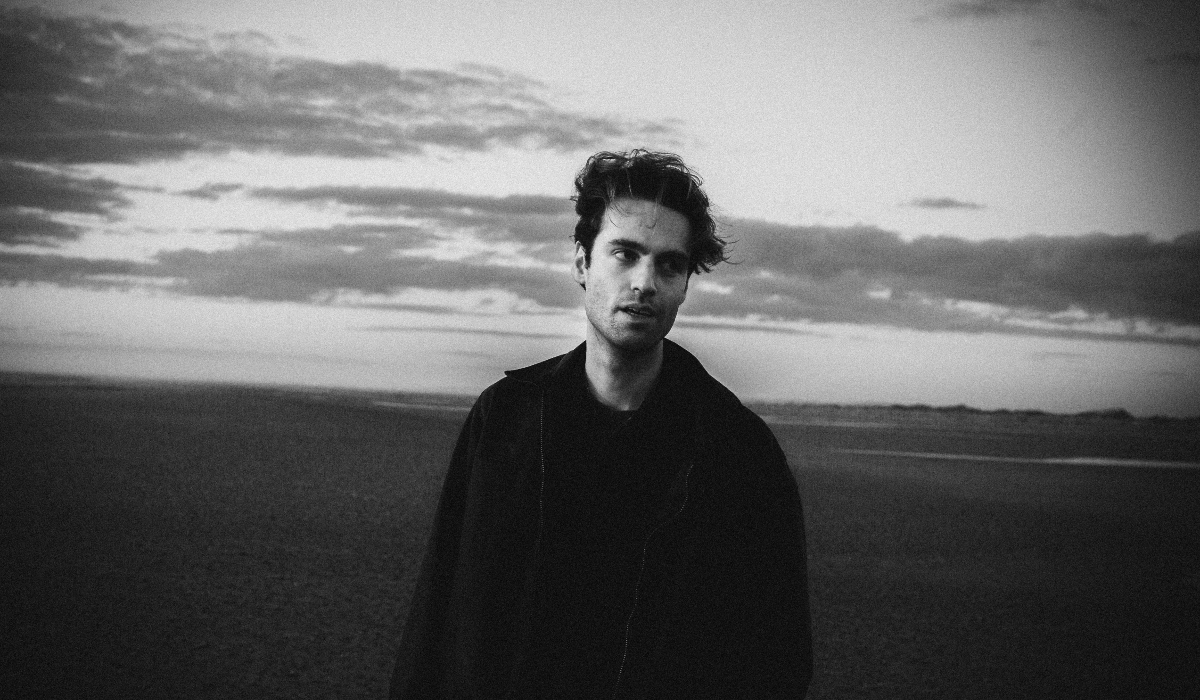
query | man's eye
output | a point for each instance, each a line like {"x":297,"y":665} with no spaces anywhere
{"x":623,"y":253}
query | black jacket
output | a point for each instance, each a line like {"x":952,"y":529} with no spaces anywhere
{"x":719,"y":599}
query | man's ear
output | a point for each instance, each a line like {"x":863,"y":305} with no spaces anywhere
{"x":580,"y":266}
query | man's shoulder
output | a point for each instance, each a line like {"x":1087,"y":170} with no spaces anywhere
{"x":723,"y":415}
{"x":505,"y":391}
{"x":733,"y":423}
{"x":745,"y":461}
{"x":523,"y":384}
{"x":539,"y":373}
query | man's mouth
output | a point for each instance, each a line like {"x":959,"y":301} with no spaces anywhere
{"x":642,"y":310}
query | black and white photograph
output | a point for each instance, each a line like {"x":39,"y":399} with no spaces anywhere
{"x":514,"y":349}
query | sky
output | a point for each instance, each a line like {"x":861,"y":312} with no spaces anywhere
{"x":984,"y":202}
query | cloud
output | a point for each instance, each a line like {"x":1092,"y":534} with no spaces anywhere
{"x":537,"y":225}
{"x":1129,"y":287}
{"x":87,"y":90}
{"x":30,"y":197}
{"x":743,"y":326}
{"x":393,"y":199}
{"x":290,"y":273}
{"x":1052,"y":356}
{"x":863,"y":273}
{"x":70,"y":270}
{"x":384,"y":239}
{"x":38,"y":188}
{"x":19,"y":227}
{"x":988,"y":9}
{"x":942,"y":203}
{"x":465,"y":331}
{"x":975,"y":9}
{"x":211,"y":191}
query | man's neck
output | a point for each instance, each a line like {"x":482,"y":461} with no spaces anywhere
{"x":618,"y":379}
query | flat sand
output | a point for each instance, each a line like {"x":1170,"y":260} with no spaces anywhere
{"x":190,"y":541}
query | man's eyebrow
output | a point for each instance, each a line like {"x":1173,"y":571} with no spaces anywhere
{"x":626,"y":243}
{"x":642,"y":249}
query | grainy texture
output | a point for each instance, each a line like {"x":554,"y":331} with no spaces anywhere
{"x":215,"y":542}
{"x":172,"y":541}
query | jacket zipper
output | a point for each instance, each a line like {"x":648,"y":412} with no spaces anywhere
{"x":541,"y":526}
{"x":637,"y":588}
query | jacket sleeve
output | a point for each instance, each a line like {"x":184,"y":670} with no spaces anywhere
{"x":778,"y":642}
{"x":420,"y":661}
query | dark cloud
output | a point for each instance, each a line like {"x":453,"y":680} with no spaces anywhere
{"x":87,"y":90}
{"x":37,"y":188}
{"x":992,"y":8}
{"x":290,"y":273}
{"x":782,"y":273}
{"x":988,"y":9}
{"x":538,"y":224}
{"x":68,"y":270}
{"x":864,"y":274}
{"x":17,"y":227}
{"x":212,"y":191}
{"x":31,"y":196}
{"x":298,"y":273}
{"x":942,"y":203}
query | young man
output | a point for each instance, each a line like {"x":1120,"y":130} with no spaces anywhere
{"x":614,"y":523}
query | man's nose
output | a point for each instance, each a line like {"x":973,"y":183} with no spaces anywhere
{"x":644,"y":279}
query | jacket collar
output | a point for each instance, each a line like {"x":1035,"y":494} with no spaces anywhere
{"x":547,"y":372}
{"x":710,"y":401}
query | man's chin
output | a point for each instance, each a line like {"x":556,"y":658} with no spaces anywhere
{"x":630,"y":340}
{"x":635,"y":344}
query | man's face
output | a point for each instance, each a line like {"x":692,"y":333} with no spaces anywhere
{"x":637,"y":277}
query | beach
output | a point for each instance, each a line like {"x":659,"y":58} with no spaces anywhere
{"x":210,"y":541}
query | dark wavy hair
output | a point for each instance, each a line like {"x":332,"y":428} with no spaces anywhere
{"x":661,"y":178}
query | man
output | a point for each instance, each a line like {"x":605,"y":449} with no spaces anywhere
{"x":614,"y":523}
